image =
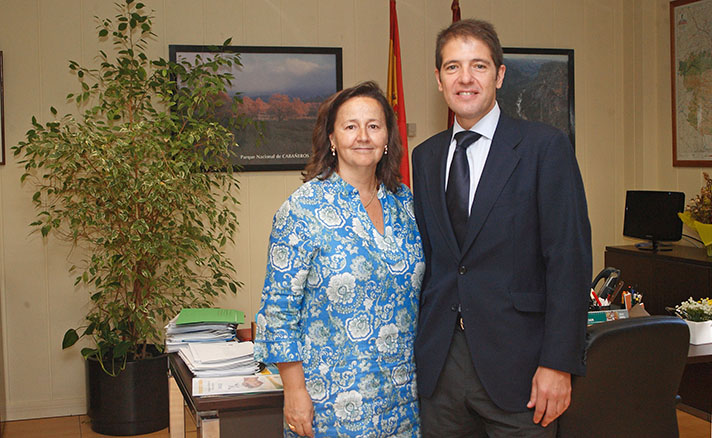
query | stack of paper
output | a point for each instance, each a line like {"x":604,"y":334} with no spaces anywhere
{"x":202,"y":325}
{"x":219,"y":359}
{"x":200,"y":337}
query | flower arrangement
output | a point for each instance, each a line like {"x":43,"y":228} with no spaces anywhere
{"x":700,"y":207}
{"x":697,"y":311}
{"x":698,"y":213}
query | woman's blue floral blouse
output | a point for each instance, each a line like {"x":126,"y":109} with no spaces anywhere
{"x":343,"y":299}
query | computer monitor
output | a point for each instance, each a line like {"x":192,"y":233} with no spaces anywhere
{"x":652,"y":215}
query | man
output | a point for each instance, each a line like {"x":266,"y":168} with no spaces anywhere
{"x":507,"y":244}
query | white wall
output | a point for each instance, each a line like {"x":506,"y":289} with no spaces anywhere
{"x":623,"y":134}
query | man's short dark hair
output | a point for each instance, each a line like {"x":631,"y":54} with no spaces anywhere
{"x":470,"y":28}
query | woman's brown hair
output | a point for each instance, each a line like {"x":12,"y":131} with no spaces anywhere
{"x":322,"y":163}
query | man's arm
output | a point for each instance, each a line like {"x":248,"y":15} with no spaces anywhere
{"x":565,"y":235}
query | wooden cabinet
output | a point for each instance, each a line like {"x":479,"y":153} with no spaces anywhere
{"x":665,"y":278}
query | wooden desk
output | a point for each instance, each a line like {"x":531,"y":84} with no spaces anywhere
{"x":234,"y":416}
{"x":696,"y":384}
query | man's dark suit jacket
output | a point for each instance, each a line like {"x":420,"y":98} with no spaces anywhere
{"x":523,"y":275}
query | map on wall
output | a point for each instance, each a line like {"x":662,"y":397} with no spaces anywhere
{"x":691,"y":30}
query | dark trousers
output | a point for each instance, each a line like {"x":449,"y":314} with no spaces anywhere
{"x":460,"y":406}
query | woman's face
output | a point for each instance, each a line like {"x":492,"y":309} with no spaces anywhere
{"x":360,"y":135}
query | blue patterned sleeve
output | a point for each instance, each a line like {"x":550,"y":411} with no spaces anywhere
{"x":279,"y":329}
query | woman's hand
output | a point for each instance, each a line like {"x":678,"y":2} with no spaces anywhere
{"x":299,"y":411}
{"x":298,"y":406}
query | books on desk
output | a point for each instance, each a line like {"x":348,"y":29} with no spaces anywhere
{"x":202,"y":325}
{"x":205,"y":340}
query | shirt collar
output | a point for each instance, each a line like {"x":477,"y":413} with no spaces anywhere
{"x":485,"y":126}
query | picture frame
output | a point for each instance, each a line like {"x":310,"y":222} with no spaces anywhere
{"x":2,"y":112}
{"x":539,"y":85}
{"x":691,"y":82}
{"x":282,"y":88}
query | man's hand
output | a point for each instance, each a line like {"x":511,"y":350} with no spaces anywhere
{"x":551,"y":394}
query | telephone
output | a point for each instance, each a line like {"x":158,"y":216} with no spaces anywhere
{"x":611,"y":277}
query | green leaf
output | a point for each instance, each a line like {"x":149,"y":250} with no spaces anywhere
{"x":89,"y":352}
{"x":70,"y":338}
{"x":103,"y":33}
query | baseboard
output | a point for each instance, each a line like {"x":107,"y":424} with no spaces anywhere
{"x":46,"y":408}
{"x":694,"y":411}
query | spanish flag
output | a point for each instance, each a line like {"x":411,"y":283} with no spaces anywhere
{"x":395,"y":92}
{"x":455,"y":6}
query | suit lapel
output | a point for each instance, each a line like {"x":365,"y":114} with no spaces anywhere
{"x":501,"y":161}
{"x":435,"y":182}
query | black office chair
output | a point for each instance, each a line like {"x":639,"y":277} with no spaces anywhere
{"x":634,"y":367}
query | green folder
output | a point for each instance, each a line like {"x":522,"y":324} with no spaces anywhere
{"x":211,"y":314}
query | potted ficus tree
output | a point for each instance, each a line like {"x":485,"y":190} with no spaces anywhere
{"x":141,"y":182}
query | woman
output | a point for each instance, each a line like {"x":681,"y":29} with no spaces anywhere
{"x":340,"y":299}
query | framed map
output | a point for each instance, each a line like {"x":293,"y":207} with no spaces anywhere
{"x":691,"y":71}
{"x":539,"y":85}
{"x":2,"y":117}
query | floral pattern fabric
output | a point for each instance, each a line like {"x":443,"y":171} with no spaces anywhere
{"x":343,"y":299}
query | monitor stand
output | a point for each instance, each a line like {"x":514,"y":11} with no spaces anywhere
{"x":654,"y":245}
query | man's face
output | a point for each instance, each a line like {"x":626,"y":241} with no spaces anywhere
{"x":468,"y":79}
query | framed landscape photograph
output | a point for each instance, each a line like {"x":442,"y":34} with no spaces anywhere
{"x":282,"y":88}
{"x":2,"y":114}
{"x":539,"y":85}
{"x":691,"y":82}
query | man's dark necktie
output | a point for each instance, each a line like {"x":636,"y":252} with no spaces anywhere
{"x":457,"y":194}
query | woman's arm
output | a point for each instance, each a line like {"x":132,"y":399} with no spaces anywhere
{"x":298,"y":408}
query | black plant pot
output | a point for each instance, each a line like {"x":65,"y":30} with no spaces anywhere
{"x":132,"y":403}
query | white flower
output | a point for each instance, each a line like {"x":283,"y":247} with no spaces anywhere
{"x":403,"y":319}
{"x":280,"y":218}
{"x":318,"y":333}
{"x":400,"y":375}
{"x":361,"y":268}
{"x":359,"y":229}
{"x":387,"y":341}
{"x":348,"y":406}
{"x":330,"y":216}
{"x":398,"y":268}
{"x":341,"y":288}
{"x":369,"y":385}
{"x":297,"y":283}
{"x":313,"y":278}
{"x":279,"y":257}
{"x":358,"y":327}
{"x":417,"y":277}
{"x":316,"y":387}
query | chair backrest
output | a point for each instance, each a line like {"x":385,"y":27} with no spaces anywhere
{"x":634,"y":367}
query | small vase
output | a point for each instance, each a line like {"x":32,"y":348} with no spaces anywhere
{"x":700,"y":332}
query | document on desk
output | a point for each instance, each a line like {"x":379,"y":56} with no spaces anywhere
{"x":203,"y":386}
{"x":215,"y":352}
